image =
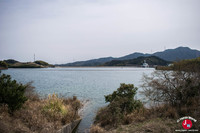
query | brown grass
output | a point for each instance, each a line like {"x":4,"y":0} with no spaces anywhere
{"x":97,"y":129}
{"x":31,"y":117}
{"x":156,"y":119}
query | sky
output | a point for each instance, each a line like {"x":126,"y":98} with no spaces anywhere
{"x":62,"y":31}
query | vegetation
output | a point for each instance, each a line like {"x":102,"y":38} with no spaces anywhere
{"x":43,"y":63}
{"x":25,"y":65}
{"x":11,"y":93}
{"x":124,"y":97}
{"x":122,"y":103}
{"x":191,"y":65}
{"x":22,"y":110}
{"x":173,"y":94}
{"x":11,"y":61}
{"x":178,"y":89}
{"x":56,"y":108}
{"x":37,"y":64}
{"x":3,"y":65}
{"x":151,"y":60}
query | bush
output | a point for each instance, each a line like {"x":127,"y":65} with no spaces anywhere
{"x":54,"y":107}
{"x":122,"y":103}
{"x":3,"y":64}
{"x":11,"y":93}
{"x":66,"y":110}
{"x":124,"y":97}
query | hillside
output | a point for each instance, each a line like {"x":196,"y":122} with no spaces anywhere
{"x":179,"y":53}
{"x":93,"y":62}
{"x":37,"y":64}
{"x":151,"y":60}
{"x":133,"y":56}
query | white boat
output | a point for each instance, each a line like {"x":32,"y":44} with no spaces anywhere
{"x":145,"y":65}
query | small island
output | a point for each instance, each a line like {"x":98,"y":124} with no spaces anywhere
{"x":10,"y":63}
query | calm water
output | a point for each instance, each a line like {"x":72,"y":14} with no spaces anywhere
{"x":85,"y":83}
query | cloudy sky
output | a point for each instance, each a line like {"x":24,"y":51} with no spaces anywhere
{"x":61,"y":31}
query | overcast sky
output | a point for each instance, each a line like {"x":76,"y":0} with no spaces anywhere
{"x":61,"y":31}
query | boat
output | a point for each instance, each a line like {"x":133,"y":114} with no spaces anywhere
{"x":145,"y":65}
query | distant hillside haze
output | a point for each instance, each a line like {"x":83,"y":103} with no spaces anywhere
{"x":176,"y":54}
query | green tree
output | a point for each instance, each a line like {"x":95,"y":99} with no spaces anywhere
{"x":11,"y":93}
{"x":121,"y":103}
{"x":124,"y":97}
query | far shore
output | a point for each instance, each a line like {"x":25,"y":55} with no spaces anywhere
{"x":100,"y":67}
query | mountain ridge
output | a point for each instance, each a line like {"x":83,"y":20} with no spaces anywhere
{"x":176,"y":54}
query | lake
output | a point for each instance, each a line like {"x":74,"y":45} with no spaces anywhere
{"x":87,"y":83}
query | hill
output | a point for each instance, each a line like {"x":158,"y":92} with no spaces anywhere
{"x":133,"y":56}
{"x":180,"y":53}
{"x":11,"y":61}
{"x":176,"y":54}
{"x":37,"y":64}
{"x":151,"y":60}
{"x":93,"y":62}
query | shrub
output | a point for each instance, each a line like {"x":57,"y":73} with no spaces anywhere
{"x":57,"y":108}
{"x":54,"y":107}
{"x":124,"y":97}
{"x":122,"y":103}
{"x":11,"y":93}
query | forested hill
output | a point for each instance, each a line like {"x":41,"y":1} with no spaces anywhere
{"x":151,"y":60}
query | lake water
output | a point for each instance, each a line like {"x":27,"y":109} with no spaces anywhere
{"x":86,"y":83}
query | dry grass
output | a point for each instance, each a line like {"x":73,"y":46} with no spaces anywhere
{"x":97,"y":129}
{"x":155,"y":125}
{"x":155,"y":119}
{"x":32,"y":119}
{"x":56,"y":109}
{"x":27,"y":119}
